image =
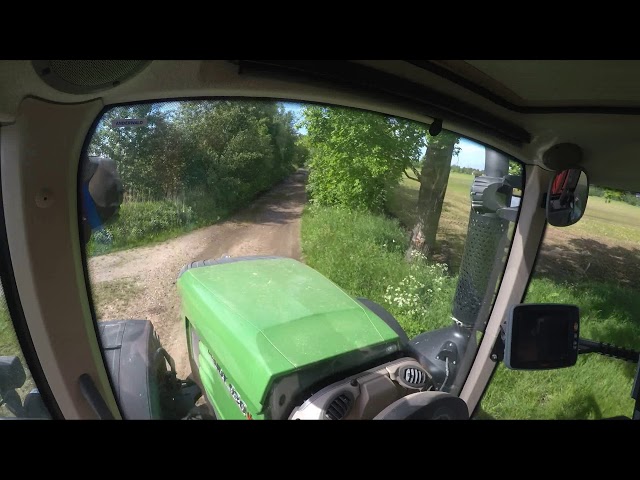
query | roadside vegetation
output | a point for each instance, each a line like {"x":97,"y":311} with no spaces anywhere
{"x":362,"y":244}
{"x":610,"y":194}
{"x":191,"y":165}
{"x":364,"y":253}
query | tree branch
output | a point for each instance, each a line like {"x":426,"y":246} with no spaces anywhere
{"x":415,"y":171}
{"x":410,"y":177}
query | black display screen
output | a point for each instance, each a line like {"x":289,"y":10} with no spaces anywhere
{"x":542,"y":336}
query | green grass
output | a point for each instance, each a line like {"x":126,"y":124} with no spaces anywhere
{"x":143,"y":223}
{"x":606,"y":238}
{"x":8,"y":341}
{"x":454,"y":220}
{"x":364,"y":254}
{"x":597,"y":386}
{"x":607,"y":222}
{"x":403,"y":199}
{"x":614,"y":221}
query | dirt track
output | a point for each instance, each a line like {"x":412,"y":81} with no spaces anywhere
{"x":140,"y":283}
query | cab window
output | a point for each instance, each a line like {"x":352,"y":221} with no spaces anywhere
{"x":594,"y":264}
{"x":414,"y":227}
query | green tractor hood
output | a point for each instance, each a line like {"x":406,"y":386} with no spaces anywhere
{"x":263,"y":317}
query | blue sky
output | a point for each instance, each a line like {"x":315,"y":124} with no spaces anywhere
{"x":471,"y":153}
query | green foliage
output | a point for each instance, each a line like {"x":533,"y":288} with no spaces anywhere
{"x":442,"y":141}
{"x":421,"y":300}
{"x":358,"y":252}
{"x":515,"y":168}
{"x":356,"y":155}
{"x":596,"y":191}
{"x":193,"y":163}
{"x":466,"y":170}
{"x":610,"y":194}
{"x":141,"y":222}
{"x":227,"y":149}
{"x":302,"y":151}
{"x":631,"y":198}
{"x":364,"y":254}
{"x":142,"y":154}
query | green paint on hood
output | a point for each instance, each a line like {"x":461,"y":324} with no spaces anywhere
{"x":263,"y":317}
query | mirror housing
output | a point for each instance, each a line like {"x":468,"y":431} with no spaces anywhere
{"x":567,"y":197}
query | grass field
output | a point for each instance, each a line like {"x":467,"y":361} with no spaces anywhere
{"x":454,"y":220}
{"x":597,"y":386}
{"x":594,"y":264}
{"x":364,"y":254}
{"x":604,"y":244}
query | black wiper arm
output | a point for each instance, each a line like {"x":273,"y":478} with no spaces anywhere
{"x":590,"y":346}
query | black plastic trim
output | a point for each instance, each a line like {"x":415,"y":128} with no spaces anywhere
{"x":381,"y":85}
{"x":498,"y":100}
{"x":93,"y":397}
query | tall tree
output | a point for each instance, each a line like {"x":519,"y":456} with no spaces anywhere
{"x":356,"y":156}
{"x":433,"y":178}
{"x":136,"y":150}
{"x":224,"y":152}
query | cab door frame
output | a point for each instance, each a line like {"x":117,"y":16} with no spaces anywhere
{"x":40,"y":154}
{"x":518,"y":271}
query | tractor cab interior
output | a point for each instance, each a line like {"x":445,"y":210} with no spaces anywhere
{"x":247,"y":239}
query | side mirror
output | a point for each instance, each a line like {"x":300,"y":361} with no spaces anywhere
{"x":567,"y":197}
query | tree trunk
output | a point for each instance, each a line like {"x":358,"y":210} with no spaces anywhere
{"x":434,"y":178}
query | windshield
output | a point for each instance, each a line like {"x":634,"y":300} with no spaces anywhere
{"x":414,"y":228}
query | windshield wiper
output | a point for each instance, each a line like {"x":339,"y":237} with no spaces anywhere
{"x":607,"y":349}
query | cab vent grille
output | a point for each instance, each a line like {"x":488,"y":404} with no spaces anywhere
{"x":414,"y":376}
{"x":339,"y":407}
